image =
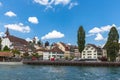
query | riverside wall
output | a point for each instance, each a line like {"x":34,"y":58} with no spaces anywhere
{"x":72,"y":63}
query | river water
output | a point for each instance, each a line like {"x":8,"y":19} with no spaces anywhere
{"x":33,"y":72}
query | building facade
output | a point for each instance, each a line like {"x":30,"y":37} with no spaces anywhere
{"x":91,"y":52}
{"x":13,"y":42}
{"x":65,"y":48}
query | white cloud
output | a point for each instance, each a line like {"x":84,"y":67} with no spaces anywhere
{"x":88,"y":35}
{"x":33,"y":20}
{"x":52,"y":35}
{"x":101,"y":29}
{"x":44,"y":2}
{"x":106,"y":28}
{"x":51,"y":3}
{"x":28,"y":39}
{"x":18,"y":27}
{"x":99,"y":37}
{"x":2,"y":34}
{"x":10,"y":14}
{"x":68,"y":43}
{"x":1,"y":4}
{"x":95,"y":30}
{"x":72,"y":5}
{"x":64,"y":2}
{"x":37,"y":39}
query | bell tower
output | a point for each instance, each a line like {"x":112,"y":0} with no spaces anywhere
{"x":7,"y":32}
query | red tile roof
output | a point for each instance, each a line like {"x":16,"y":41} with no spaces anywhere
{"x":17,"y":40}
{"x":44,"y":50}
{"x":65,"y":46}
{"x":56,"y":49}
{"x":14,"y":39}
{"x":5,"y":54}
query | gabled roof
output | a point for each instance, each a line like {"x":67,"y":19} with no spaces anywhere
{"x":56,"y":49}
{"x":44,"y":50}
{"x":17,"y":40}
{"x":65,"y":46}
{"x":97,"y":48}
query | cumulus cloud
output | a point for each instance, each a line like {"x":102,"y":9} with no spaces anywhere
{"x":33,"y":20}
{"x":52,"y":35}
{"x":99,"y":37}
{"x":18,"y":27}
{"x":72,"y":5}
{"x":97,"y":31}
{"x":101,"y":29}
{"x":51,"y":3}
{"x":10,"y":14}
{"x":107,"y":28}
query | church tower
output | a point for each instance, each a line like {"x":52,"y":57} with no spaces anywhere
{"x":7,"y":32}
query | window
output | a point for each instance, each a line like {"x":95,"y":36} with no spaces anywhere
{"x":95,"y":51}
{"x":86,"y":48}
{"x":89,"y":56}
{"x":83,"y":56}
{"x":83,"y":51}
{"x":89,"y":51}
{"x":92,"y":48}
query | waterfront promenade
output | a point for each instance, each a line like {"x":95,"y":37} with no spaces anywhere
{"x":11,"y":63}
{"x":72,"y":63}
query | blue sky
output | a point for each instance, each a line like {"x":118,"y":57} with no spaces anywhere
{"x":59,"y":20}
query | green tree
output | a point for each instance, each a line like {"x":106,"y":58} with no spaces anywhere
{"x":81,"y":39}
{"x":39,"y":43}
{"x":46,"y":43}
{"x":112,"y":45}
{"x":6,"y":48}
{"x":15,"y":51}
{"x":35,"y":55}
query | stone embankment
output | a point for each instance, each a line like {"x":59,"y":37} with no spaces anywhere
{"x":72,"y":63}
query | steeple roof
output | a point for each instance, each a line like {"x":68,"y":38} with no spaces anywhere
{"x":7,"y":32}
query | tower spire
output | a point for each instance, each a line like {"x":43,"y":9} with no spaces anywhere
{"x":7,"y":32}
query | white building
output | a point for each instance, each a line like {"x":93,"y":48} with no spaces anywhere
{"x":56,"y":53}
{"x":6,"y":42}
{"x":53,"y":52}
{"x":65,"y":48}
{"x":91,"y":52}
{"x":14,"y":42}
{"x":46,"y":55}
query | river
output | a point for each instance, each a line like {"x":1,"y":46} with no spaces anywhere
{"x":36,"y":72}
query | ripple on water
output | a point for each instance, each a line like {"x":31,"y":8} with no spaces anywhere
{"x":27,"y":72}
